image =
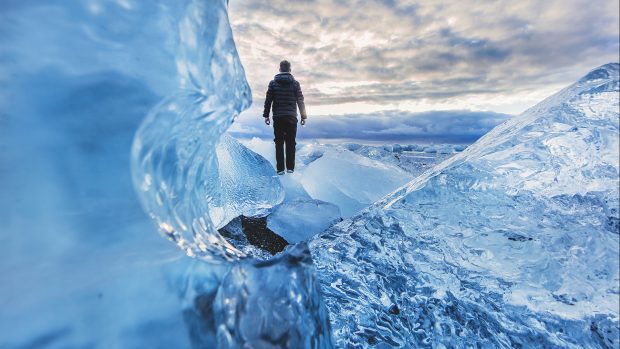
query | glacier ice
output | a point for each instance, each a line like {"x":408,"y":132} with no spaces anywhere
{"x":301,"y":219}
{"x":191,"y":185}
{"x":341,"y":177}
{"x":77,"y":250}
{"x":248,"y":183}
{"x":330,"y":179}
{"x":512,"y":243}
{"x":271,"y":304}
{"x":81,"y":266}
{"x":175,"y":165}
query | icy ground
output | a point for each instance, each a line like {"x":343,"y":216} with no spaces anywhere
{"x":512,"y":243}
{"x":330,"y":181}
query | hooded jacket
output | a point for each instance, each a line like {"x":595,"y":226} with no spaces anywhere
{"x":283,"y":96}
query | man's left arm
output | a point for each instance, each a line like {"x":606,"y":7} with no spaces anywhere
{"x":300,"y":103}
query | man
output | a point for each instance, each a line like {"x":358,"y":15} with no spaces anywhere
{"x":284,"y":96}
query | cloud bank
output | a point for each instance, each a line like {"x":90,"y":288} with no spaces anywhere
{"x":425,"y":55}
{"x":454,"y":127}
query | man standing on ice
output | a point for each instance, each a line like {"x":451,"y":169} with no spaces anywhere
{"x":284,"y":96}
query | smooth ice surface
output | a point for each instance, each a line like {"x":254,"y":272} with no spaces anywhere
{"x":512,"y":243}
{"x":351,"y":181}
{"x":301,"y":219}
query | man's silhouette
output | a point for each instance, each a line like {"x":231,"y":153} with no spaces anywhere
{"x":283,"y":96}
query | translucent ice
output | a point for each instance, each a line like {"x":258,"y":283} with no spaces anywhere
{"x":81,"y":264}
{"x":248,"y":183}
{"x":512,"y":243}
{"x":187,"y":187}
{"x":271,"y":304}
{"x":301,"y":219}
{"x":351,"y":181}
{"x":77,"y":249}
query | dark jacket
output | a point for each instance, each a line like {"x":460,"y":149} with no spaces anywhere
{"x":284,"y":93}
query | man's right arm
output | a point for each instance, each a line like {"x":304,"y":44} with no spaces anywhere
{"x":268,"y":101}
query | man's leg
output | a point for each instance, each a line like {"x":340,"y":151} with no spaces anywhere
{"x":291,"y":133}
{"x":279,"y":130}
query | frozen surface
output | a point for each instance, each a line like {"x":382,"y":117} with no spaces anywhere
{"x":331,"y":181}
{"x":174,"y":164}
{"x":351,"y":181}
{"x":512,"y":243}
{"x":82,"y":265}
{"x":248,"y":184}
{"x":413,"y":158}
{"x":300,"y":219}
{"x":336,"y":174}
{"x":271,"y":304}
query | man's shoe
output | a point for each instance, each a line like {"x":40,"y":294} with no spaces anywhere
{"x":281,"y":173}
{"x":290,"y":171}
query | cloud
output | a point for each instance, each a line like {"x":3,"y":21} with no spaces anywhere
{"x":456,"y":127}
{"x":506,"y":54}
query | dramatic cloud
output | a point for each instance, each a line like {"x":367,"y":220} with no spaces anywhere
{"x":364,"y":56}
{"x":455,"y":127}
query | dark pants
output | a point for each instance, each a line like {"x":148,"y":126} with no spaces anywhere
{"x":285,"y":130}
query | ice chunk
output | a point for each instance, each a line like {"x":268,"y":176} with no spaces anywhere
{"x":300,"y":219}
{"x":513,"y":242}
{"x":293,"y":188}
{"x":351,"y":181}
{"x":81,"y":265}
{"x":77,"y":249}
{"x":269,"y":304}
{"x":248,"y":184}
{"x":187,"y":187}
{"x":383,"y":158}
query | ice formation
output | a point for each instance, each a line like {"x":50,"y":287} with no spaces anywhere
{"x":77,"y":249}
{"x":330,"y":182}
{"x":342,"y":177}
{"x":187,"y":187}
{"x":512,"y":243}
{"x":271,"y":304}
{"x":337,"y":175}
{"x":77,"y":77}
{"x":248,"y":184}
{"x":299,"y":220}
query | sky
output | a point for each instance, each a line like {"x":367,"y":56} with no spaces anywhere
{"x":418,"y":71}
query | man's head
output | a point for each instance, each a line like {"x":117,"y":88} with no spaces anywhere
{"x":285,"y":66}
